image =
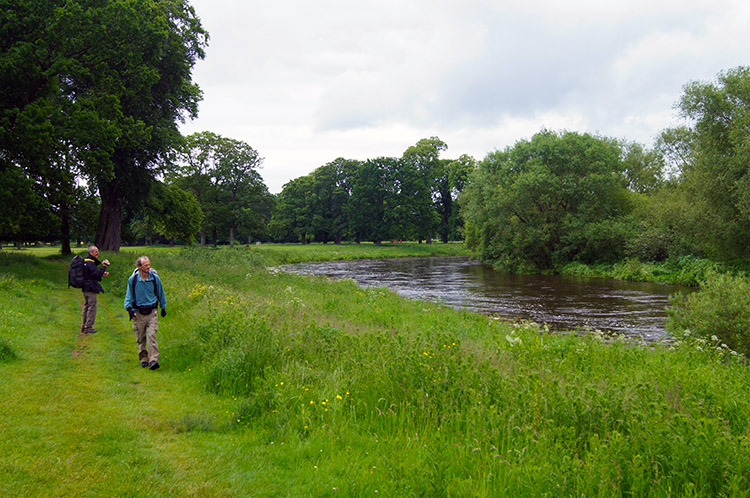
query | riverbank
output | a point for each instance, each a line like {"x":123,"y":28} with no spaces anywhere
{"x":688,"y":270}
{"x":275,"y":384}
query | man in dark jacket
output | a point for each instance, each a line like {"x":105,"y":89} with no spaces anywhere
{"x":92,"y":275}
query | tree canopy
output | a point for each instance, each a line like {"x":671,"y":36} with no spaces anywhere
{"x":95,"y":89}
{"x":409,"y":197}
{"x":546,"y":201}
{"x":222,"y":173}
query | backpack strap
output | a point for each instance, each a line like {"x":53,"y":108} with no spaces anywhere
{"x":132,"y":289}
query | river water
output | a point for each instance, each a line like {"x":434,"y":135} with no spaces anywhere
{"x":634,"y":309}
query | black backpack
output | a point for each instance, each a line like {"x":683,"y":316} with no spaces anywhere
{"x":75,"y":273}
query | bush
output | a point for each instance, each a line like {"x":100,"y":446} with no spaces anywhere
{"x":720,"y":308}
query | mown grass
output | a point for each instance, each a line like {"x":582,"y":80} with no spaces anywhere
{"x":275,"y":384}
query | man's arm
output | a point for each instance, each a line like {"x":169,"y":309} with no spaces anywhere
{"x":129,"y":294}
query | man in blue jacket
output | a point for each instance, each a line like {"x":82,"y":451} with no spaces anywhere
{"x":143,"y":293}
{"x":92,"y":275}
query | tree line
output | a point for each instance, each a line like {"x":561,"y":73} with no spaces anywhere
{"x":92,"y":92}
{"x":412,"y":197}
{"x":564,"y":197}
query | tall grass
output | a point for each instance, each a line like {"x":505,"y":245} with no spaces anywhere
{"x":447,"y":403}
{"x":323,"y":388}
{"x":687,"y":270}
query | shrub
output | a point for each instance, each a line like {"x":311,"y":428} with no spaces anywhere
{"x":720,"y":308}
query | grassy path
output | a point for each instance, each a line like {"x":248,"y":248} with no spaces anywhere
{"x":82,"y":418}
{"x":73,"y":402}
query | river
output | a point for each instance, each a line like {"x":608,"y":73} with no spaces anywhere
{"x":635,"y":309}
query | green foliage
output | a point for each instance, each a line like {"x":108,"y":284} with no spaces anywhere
{"x":222,"y":175}
{"x":373,"y":192}
{"x":687,"y":270}
{"x":719,"y":310}
{"x":412,"y":198}
{"x":716,"y":176}
{"x":545,"y":202}
{"x":174,"y":213}
{"x":96,"y":89}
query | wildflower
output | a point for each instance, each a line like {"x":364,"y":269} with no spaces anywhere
{"x":338,"y":396}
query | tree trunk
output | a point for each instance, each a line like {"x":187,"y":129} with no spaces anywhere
{"x":203,"y":239}
{"x":65,"y":230}
{"x":338,"y":238}
{"x":108,"y":236}
{"x":231,"y":235}
{"x":216,"y":237}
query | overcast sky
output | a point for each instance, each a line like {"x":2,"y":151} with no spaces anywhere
{"x":304,"y":82}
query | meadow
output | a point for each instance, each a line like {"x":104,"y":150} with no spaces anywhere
{"x":274,"y":384}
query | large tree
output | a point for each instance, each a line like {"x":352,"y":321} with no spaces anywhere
{"x":425,"y":189}
{"x":546,"y":201}
{"x":223,"y":174}
{"x":95,"y":88}
{"x":371,"y":210}
{"x":156,"y":44}
{"x":713,"y":154}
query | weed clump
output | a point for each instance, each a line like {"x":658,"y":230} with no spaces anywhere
{"x":7,"y":353}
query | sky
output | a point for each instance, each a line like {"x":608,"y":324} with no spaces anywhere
{"x":305,"y":82}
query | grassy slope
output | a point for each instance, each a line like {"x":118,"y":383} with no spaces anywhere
{"x":433,"y":402}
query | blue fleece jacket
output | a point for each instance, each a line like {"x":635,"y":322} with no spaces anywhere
{"x":144,"y":291}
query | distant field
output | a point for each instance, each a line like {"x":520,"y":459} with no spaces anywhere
{"x":291,"y":253}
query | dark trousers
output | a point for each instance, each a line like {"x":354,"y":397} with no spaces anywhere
{"x":89,"y":311}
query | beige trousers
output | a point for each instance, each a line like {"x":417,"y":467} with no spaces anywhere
{"x":145,"y":327}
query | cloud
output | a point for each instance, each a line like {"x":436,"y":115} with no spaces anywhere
{"x":306,"y":82}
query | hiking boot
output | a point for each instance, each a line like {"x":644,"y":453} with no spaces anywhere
{"x":144,"y":364}
{"x":153,"y":365}
{"x":89,"y":331}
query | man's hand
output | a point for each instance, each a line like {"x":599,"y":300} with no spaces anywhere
{"x":163,"y":312}
{"x":131,"y":312}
